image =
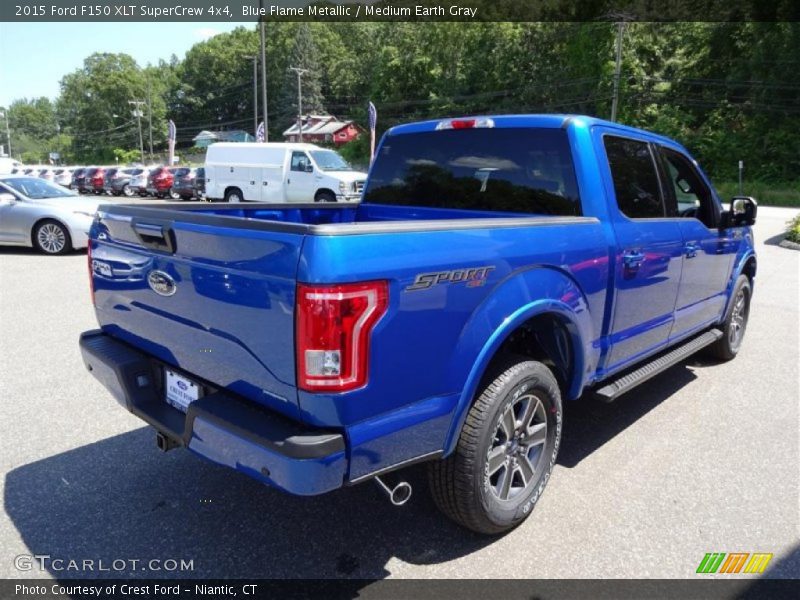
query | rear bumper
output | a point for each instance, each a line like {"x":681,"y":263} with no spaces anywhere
{"x":220,"y":426}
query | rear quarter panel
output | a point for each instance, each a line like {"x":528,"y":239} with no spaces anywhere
{"x":431,"y":347}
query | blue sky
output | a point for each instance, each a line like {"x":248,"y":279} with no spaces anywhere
{"x":35,"y":56}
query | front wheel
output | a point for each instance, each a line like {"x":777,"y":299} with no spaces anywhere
{"x":735,"y":324}
{"x":505,"y":452}
{"x":325,"y":197}
{"x":51,"y":237}
{"x":127,"y":191}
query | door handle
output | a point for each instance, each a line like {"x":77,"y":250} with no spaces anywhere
{"x":691,"y":249}
{"x":288,"y":181}
{"x":633,"y":259}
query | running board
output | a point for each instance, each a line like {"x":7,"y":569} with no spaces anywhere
{"x":613,"y":390}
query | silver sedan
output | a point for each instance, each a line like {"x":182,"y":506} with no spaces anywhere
{"x":38,"y":213}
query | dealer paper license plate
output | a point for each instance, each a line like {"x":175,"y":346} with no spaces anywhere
{"x":180,"y":392}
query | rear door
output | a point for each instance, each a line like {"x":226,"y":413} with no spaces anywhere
{"x":707,"y":252}
{"x":214,"y":301}
{"x":647,"y":259}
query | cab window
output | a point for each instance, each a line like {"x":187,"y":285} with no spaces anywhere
{"x":687,"y":194}
{"x":300,"y":162}
{"x":635,"y":178}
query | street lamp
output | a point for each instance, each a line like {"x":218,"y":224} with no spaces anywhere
{"x":137,"y":112}
{"x":300,"y":72}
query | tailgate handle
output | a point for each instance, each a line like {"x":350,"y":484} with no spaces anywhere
{"x":158,"y":236}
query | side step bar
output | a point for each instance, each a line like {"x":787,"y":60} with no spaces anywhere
{"x":613,"y":390}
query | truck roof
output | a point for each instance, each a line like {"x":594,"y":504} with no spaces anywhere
{"x":549,"y":121}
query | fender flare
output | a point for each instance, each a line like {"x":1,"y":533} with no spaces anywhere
{"x":738,"y":270}
{"x":576,"y":319}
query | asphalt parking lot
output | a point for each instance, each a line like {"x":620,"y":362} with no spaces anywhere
{"x":703,"y":458}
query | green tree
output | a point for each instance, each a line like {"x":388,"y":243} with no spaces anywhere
{"x":304,"y":55}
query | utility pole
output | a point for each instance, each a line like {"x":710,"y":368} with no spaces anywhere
{"x":255,"y":98}
{"x":150,"y":115}
{"x":263,"y":71}
{"x":617,"y":68}
{"x":300,"y":73}
{"x":137,"y":112}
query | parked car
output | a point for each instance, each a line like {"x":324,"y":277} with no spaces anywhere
{"x":35,"y":212}
{"x":200,"y":183}
{"x":159,"y":183}
{"x":496,"y":268}
{"x":94,"y":180}
{"x":108,"y":177}
{"x":120,"y":183}
{"x":183,"y":184}
{"x":278,"y":172}
{"x":46,"y":173}
{"x":9,"y":165}
{"x":62,"y":176}
{"x":139,"y":182}
{"x":78,"y":176}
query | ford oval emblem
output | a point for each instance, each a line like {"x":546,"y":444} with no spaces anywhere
{"x":161,"y":283}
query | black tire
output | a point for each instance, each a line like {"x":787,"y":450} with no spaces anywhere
{"x":234,"y":195}
{"x":324,"y":197}
{"x":735,"y":323}
{"x":462,"y":485}
{"x":51,"y":237}
{"x":127,"y":191}
{"x":173,"y":195}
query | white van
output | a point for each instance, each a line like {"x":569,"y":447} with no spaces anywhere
{"x":280,"y":173}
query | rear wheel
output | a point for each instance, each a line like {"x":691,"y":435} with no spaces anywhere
{"x":51,"y":237}
{"x":735,"y":324}
{"x":505,"y":452}
{"x":127,"y":191}
{"x":174,"y":195}
{"x":233,"y":195}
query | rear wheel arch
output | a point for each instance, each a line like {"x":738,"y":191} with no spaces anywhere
{"x":230,"y":190}
{"x":554,"y":325}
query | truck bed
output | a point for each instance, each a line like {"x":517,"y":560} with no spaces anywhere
{"x":330,"y":219}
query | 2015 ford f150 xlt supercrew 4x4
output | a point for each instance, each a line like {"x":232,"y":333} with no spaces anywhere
{"x":495,"y":267}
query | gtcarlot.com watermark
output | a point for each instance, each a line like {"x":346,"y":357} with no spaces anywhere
{"x":46,"y":562}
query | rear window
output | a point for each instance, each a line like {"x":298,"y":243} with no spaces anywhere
{"x":519,"y":170}
{"x":182,"y":172}
{"x":91,"y":172}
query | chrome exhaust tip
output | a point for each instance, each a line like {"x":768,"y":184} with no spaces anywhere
{"x":399,"y":494}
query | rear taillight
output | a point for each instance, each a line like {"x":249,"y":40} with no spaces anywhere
{"x":334,"y":326}
{"x":91,"y":271}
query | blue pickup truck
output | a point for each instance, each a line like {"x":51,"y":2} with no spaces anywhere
{"x":495,"y":267}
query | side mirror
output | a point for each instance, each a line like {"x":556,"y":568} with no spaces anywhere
{"x":309,"y":168}
{"x":743,"y":211}
{"x":6,"y":198}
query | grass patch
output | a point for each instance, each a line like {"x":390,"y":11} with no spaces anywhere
{"x":785,"y":193}
{"x":793,"y":232}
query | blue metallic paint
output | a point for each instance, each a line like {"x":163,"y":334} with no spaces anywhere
{"x":233,"y":325}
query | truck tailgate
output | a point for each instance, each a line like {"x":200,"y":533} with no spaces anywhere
{"x":217,"y":302}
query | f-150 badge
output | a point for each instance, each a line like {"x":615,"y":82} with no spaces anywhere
{"x":471,"y":276}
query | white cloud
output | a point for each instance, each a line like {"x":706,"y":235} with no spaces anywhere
{"x":205,"y":33}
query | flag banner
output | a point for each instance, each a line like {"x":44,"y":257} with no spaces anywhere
{"x":260,"y":132}
{"x":373,"y":120}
